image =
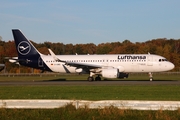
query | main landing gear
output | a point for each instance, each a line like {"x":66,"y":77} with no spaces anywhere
{"x":91,"y":78}
{"x":150,"y":76}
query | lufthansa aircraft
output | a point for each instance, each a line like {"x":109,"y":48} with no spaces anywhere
{"x":107,"y":66}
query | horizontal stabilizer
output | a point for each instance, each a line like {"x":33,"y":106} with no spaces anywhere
{"x":16,"y":60}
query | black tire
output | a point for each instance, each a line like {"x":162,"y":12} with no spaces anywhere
{"x":98,"y":78}
{"x":90,"y":79}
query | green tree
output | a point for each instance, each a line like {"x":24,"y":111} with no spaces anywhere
{"x":104,"y":48}
{"x":69,"y":49}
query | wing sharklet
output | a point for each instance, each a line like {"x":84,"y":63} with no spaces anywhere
{"x":54,"y":56}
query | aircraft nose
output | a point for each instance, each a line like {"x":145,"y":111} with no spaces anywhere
{"x":171,"y":66}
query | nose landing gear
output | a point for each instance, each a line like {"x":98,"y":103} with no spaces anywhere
{"x":150,"y":76}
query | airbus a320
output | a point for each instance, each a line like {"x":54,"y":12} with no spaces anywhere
{"x":97,"y":66}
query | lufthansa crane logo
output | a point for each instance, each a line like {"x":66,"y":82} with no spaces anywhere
{"x":24,"y":48}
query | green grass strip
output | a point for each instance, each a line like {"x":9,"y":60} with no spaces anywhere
{"x":123,"y":92}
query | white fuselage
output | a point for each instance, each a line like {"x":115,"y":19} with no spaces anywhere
{"x":127,"y":63}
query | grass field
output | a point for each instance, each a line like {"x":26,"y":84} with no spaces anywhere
{"x":88,"y":92}
{"x":123,"y":92}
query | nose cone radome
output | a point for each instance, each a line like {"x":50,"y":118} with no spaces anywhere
{"x":171,"y":66}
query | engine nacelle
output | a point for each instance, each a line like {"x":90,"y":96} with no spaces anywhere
{"x":80,"y":70}
{"x":110,"y":73}
{"x":113,"y":73}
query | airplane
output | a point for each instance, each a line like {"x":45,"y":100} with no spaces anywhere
{"x":2,"y":66}
{"x":106,"y":65}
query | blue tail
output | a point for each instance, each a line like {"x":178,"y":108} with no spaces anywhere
{"x":23,"y":46}
{"x":28,"y":55}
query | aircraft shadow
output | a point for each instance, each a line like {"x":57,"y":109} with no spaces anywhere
{"x":55,"y":80}
{"x":64,"y":79}
{"x":137,"y":80}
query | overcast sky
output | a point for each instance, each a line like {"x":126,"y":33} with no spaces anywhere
{"x":90,"y":21}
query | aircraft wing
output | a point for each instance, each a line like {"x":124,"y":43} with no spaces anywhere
{"x":74,"y":64}
{"x":82,"y":65}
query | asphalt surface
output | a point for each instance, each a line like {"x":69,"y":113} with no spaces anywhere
{"x":81,"y":82}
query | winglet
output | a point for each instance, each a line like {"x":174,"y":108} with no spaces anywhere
{"x":54,"y":56}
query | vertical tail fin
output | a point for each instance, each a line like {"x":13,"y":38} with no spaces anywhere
{"x":24,"y":47}
{"x":28,"y":55}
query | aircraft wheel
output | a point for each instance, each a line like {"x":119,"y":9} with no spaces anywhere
{"x":90,"y":79}
{"x":98,"y":78}
{"x":150,"y":76}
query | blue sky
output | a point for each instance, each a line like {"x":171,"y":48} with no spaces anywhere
{"x":92,"y":21}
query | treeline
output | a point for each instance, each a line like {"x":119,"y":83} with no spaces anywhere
{"x":169,"y":48}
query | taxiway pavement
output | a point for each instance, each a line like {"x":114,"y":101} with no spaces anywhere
{"x":84,"y":82}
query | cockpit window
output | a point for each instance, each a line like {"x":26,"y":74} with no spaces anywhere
{"x":162,"y":60}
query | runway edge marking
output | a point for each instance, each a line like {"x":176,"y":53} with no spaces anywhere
{"x":121,"y":104}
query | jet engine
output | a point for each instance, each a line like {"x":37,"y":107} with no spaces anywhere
{"x":80,"y":70}
{"x":113,"y":73}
